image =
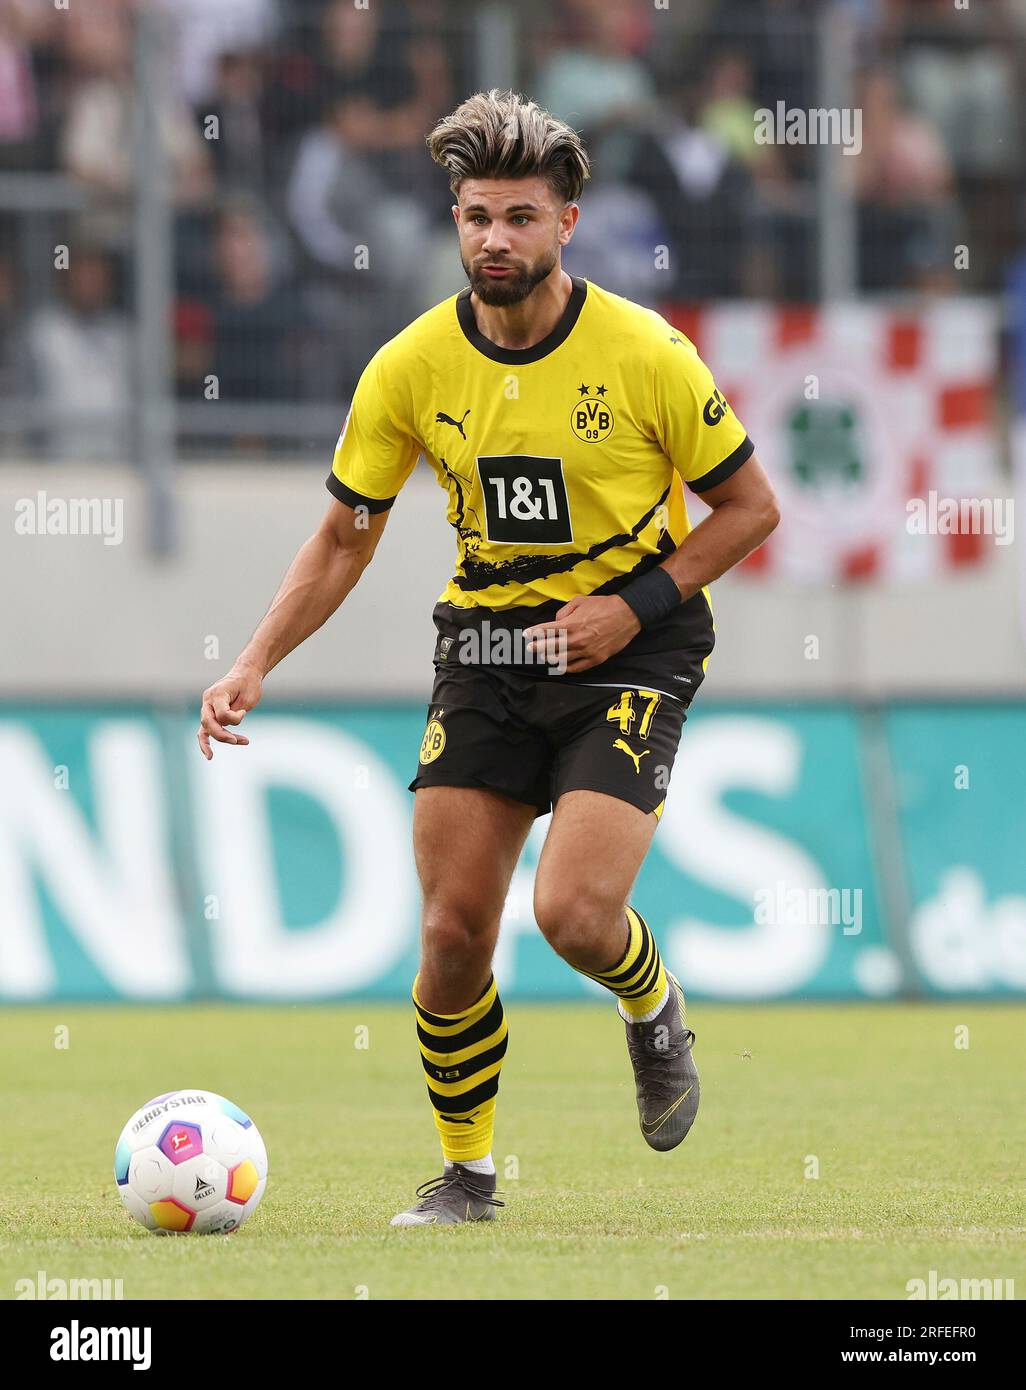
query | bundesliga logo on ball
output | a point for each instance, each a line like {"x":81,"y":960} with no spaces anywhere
{"x":190,"y":1162}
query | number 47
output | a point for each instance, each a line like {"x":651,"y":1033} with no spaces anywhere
{"x":623,"y":712}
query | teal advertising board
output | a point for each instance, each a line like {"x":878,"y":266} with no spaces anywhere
{"x":960,"y":778}
{"x":130,"y":868}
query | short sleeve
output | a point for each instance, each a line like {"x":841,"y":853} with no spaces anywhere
{"x":700,"y":434}
{"x":374,"y":455}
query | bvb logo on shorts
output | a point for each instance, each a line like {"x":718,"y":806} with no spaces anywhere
{"x":591,"y":419}
{"x":433,"y":743}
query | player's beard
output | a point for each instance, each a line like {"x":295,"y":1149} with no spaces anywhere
{"x":513,"y":287}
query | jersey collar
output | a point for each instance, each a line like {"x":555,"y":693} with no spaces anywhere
{"x":518,"y":356}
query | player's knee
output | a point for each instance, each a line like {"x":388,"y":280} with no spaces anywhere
{"x":574,"y":920}
{"x":455,"y":930}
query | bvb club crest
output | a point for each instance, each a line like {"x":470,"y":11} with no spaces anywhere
{"x":433,"y":742}
{"x":591,"y":418}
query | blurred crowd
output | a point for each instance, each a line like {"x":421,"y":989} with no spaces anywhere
{"x":309,"y":223}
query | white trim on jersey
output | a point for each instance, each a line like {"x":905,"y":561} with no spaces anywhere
{"x":625,"y":685}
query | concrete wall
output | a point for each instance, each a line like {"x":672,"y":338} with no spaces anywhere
{"x":81,"y":618}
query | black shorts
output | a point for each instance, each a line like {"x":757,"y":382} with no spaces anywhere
{"x":534,"y":739}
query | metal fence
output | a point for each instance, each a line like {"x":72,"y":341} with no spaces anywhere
{"x":211,"y":216}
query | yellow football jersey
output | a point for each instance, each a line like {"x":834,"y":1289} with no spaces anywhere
{"x":563,"y":463}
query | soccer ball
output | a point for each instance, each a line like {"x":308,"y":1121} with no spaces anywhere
{"x":190,"y":1161}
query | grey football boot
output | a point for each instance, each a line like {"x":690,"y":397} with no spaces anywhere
{"x":458,"y":1195}
{"x":665,"y":1072}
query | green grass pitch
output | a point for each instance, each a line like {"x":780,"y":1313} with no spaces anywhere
{"x":919,"y":1147}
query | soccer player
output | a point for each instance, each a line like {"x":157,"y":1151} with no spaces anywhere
{"x":560,"y":421}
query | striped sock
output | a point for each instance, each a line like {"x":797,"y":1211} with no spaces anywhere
{"x":462,"y":1056}
{"x":638,"y":979}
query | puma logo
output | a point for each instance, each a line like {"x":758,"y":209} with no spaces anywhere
{"x":637,"y":757}
{"x":458,"y":1119}
{"x":442,"y":419}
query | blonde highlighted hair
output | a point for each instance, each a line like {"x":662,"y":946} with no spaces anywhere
{"x":497,"y":135}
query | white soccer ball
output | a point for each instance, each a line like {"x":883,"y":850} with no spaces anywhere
{"x":190,"y":1162}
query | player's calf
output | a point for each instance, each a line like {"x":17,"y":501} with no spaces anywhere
{"x":659,"y":1042}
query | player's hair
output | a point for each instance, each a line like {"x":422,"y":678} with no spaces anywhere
{"x":495,"y":135}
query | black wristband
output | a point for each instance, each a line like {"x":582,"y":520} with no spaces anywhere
{"x":652,"y":596}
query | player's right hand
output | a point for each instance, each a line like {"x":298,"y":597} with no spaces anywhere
{"x":224,"y":704}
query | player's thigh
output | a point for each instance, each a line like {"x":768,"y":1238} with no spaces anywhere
{"x":621,"y":742}
{"x":595,"y":846}
{"x":466,"y":842}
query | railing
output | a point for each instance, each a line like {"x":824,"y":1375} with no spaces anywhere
{"x":198,"y":256}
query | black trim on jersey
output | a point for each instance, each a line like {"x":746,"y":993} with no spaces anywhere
{"x":338,"y":489}
{"x":722,"y":471}
{"x":518,"y":356}
{"x":451,"y":620}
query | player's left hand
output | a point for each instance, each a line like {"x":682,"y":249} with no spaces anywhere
{"x":592,"y":627}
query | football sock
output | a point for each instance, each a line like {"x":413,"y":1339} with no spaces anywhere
{"x":462,"y":1056}
{"x":653,"y":1012}
{"x":476,"y":1165}
{"x":637,"y":979}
